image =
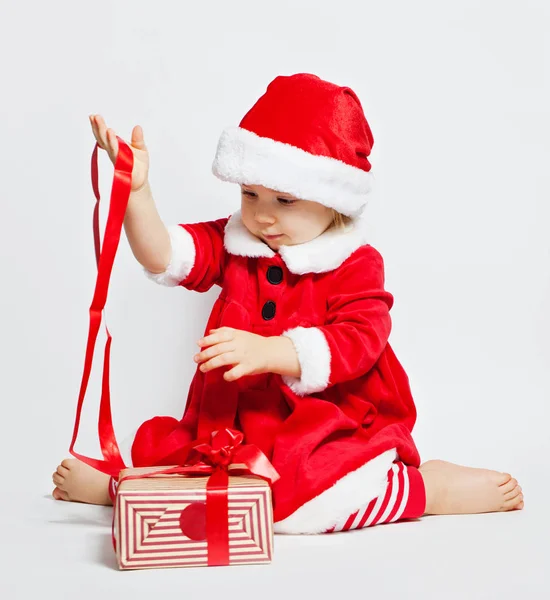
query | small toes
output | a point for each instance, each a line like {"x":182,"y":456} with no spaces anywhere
{"x":513,"y":494}
{"x":520,"y":505}
{"x":509,"y":486}
{"x":58,"y":479}
{"x":518,"y":501}
{"x":505,"y":478}
{"x":60,"y":494}
{"x":514,"y":503}
{"x":67,"y":462}
{"x":63,"y":471}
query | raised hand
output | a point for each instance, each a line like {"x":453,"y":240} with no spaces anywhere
{"x":106,"y":139}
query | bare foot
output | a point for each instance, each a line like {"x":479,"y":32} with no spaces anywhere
{"x":78,"y":482}
{"x":452,"y":489}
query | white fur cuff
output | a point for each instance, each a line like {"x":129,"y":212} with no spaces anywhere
{"x":181,"y":260}
{"x":314,"y":356}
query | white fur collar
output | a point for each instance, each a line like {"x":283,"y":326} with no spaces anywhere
{"x":324,"y":253}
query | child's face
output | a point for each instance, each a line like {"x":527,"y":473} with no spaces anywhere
{"x":266,"y":212}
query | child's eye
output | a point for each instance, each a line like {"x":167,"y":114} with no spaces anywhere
{"x":283,"y":201}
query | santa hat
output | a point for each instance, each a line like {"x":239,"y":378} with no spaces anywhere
{"x":306,"y":137}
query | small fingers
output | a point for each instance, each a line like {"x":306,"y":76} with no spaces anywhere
{"x":106,"y":138}
{"x":212,"y":351}
{"x":224,"y":334}
{"x":101,"y":130}
{"x":228,"y":358}
{"x":113,"y":143}
{"x":137,"y":138}
{"x":96,"y":130}
{"x":235,"y":373}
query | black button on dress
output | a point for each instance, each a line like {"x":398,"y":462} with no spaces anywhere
{"x":274,"y":275}
{"x":268,"y":310}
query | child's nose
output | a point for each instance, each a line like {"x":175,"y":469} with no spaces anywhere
{"x":264,"y":218}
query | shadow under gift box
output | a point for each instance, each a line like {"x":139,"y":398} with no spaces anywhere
{"x":160,"y":520}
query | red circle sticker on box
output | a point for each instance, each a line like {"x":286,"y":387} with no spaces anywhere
{"x":193,"y":521}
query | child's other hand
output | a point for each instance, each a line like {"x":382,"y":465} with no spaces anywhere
{"x":106,"y":139}
{"x":248,"y":352}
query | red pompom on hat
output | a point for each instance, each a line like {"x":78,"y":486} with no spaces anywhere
{"x":306,"y":137}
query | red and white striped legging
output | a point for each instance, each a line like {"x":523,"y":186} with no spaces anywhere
{"x":404,"y":498}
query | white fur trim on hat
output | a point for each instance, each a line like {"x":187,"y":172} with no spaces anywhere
{"x":181,"y":261}
{"x":313,"y":354}
{"x":350,"y":493}
{"x":244,"y":157}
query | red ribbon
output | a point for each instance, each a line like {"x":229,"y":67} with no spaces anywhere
{"x":224,"y":451}
{"x":120,"y":193}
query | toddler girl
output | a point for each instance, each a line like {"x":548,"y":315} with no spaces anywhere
{"x":295,"y":352}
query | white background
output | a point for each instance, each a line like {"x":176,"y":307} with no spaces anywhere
{"x":457,"y":95}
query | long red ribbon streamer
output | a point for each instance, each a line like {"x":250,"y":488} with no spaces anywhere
{"x":120,"y":193}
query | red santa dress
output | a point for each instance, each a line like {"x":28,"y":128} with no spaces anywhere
{"x":333,"y":433}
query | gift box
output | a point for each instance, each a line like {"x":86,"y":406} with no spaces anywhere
{"x":169,"y":520}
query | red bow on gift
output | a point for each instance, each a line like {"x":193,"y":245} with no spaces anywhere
{"x":225,"y":452}
{"x":226,"y":448}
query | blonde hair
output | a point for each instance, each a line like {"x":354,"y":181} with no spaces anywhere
{"x":339,"y":221}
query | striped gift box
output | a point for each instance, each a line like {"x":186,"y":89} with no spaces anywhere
{"x":149,"y":527}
